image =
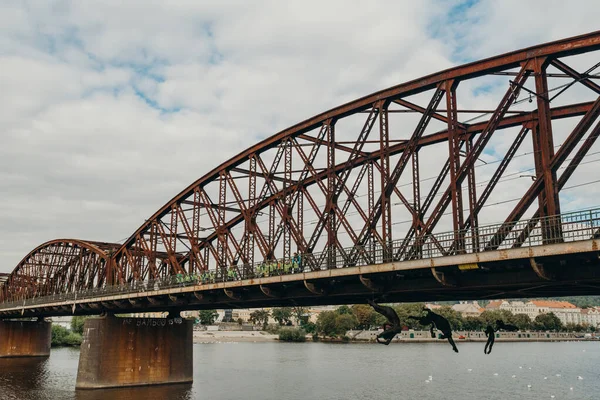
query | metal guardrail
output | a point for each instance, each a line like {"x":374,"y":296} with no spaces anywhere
{"x":567,"y":227}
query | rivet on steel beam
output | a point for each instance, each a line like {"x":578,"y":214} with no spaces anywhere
{"x":369,"y":284}
{"x":540,"y":271}
{"x":314,"y":288}
{"x":232,"y":295}
{"x":443,"y":278}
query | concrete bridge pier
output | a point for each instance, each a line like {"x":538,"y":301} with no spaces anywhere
{"x":25,"y":338}
{"x":120,"y":352}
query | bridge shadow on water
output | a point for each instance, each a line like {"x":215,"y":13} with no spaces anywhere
{"x":30,"y":379}
{"x":171,"y":392}
{"x":30,"y":373}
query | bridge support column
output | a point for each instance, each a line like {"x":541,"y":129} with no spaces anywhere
{"x":25,"y":338}
{"x":119,"y":352}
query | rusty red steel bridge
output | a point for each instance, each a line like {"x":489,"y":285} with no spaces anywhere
{"x":345,"y":190}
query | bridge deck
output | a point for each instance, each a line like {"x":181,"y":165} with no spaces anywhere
{"x":563,"y":269}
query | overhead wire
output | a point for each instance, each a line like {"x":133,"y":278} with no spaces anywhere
{"x":585,"y":75}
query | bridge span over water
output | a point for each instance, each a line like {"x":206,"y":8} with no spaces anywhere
{"x":345,"y":189}
{"x":534,"y":269}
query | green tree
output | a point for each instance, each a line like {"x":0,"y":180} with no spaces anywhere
{"x":332,"y":324}
{"x":301,"y":315}
{"x":59,"y":333}
{"x":365,"y":315}
{"x":260,"y":317}
{"x":345,"y":322}
{"x":77,"y":324}
{"x":489,"y":317}
{"x":309,"y":327}
{"x":292,"y":335}
{"x":571,"y":327}
{"x":282,"y":315}
{"x":73,"y":339}
{"x":407,"y":310}
{"x":326,"y":323}
{"x":343,"y":310}
{"x":547,"y":322}
{"x":473,"y":324}
{"x":522,"y":321}
{"x":208,"y":317}
{"x":62,"y":337}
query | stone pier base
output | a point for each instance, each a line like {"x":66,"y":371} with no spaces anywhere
{"x":25,"y":338}
{"x":119,"y":352}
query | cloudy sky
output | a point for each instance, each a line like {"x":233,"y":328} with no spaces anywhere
{"x":110,"y":108}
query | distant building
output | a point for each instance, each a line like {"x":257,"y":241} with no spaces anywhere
{"x":565,"y":311}
{"x":65,"y":322}
{"x":468,"y":309}
{"x":591,"y":316}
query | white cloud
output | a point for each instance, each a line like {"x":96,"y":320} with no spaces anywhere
{"x":109,"y":110}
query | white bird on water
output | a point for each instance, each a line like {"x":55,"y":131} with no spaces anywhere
{"x":545,"y":377}
{"x":558,"y":375}
{"x":430,"y":377}
{"x":495,"y":374}
{"x":571,"y":388}
{"x":528,"y":386}
{"x":520,"y":367}
{"x":580,"y":378}
{"x":552,"y":396}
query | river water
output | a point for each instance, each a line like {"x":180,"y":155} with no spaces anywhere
{"x":286,"y":371}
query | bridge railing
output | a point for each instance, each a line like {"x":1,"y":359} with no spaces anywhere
{"x":567,"y":227}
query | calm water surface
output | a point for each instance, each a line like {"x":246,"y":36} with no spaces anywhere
{"x":282,"y":371}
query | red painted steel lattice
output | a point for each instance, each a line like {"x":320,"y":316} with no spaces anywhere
{"x":329,"y":187}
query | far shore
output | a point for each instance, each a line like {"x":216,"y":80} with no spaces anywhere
{"x":233,"y":336}
{"x":262,"y":337}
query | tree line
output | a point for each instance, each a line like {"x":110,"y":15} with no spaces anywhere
{"x":337,"y":322}
{"x":62,"y":336}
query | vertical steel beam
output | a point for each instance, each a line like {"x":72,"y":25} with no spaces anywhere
{"x":330,"y":198}
{"x":206,"y":256}
{"x":195,"y":266}
{"x":300,"y":217}
{"x":371,"y":201}
{"x":153,"y":248}
{"x":287,"y":241}
{"x":172,"y":236}
{"x":454,"y":156}
{"x":544,"y":151}
{"x":271,"y":254}
{"x":472,"y":184}
{"x":222,"y":232}
{"x":417,"y":222}
{"x":251,"y":220}
{"x":386,"y":205}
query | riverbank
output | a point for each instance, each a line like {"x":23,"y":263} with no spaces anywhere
{"x":233,"y":336}
{"x":469,"y":336}
{"x":370,"y":336}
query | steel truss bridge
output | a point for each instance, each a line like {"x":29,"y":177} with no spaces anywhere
{"x":344,"y":189}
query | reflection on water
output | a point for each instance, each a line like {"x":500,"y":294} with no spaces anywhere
{"x":24,"y":372}
{"x":338,"y":371}
{"x":160,"y":392}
